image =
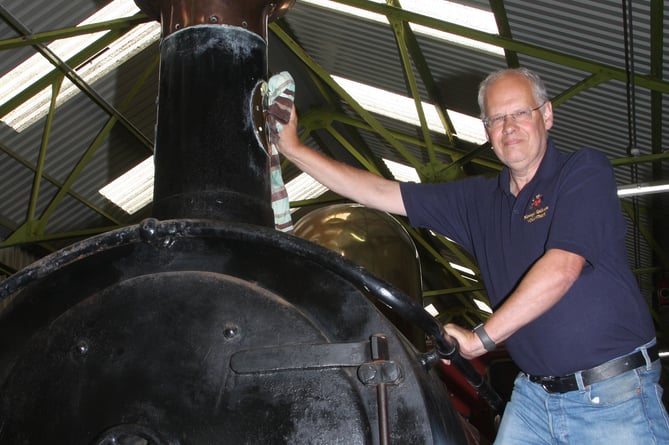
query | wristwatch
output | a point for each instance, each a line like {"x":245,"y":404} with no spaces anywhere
{"x":488,"y":344}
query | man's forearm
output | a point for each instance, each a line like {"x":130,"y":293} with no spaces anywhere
{"x":353,"y":183}
{"x":541,"y":288}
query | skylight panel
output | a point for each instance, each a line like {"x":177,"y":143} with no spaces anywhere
{"x":402,"y":172}
{"x":402,"y":108}
{"x":447,"y":11}
{"x":463,"y":269}
{"x":37,"y":66}
{"x":133,"y":190}
{"x":482,"y":306}
{"x":431,"y":310}
{"x":304,"y":187}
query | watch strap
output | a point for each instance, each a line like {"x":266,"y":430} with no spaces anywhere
{"x":488,"y":344}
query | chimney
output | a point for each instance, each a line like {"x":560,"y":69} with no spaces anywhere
{"x":211,"y":153}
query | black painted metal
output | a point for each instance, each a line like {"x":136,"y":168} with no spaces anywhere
{"x":142,"y":324}
{"x":153,"y":334}
{"x":210,"y":161}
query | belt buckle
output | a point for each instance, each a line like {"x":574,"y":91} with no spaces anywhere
{"x":547,"y":383}
{"x":550,"y":384}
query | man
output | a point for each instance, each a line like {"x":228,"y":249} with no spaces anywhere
{"x":548,"y":235}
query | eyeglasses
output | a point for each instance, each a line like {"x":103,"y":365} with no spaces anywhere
{"x":497,"y":121}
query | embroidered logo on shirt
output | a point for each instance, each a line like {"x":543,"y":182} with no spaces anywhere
{"x":536,"y":202}
{"x":535,"y":211}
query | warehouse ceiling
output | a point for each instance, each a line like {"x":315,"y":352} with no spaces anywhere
{"x":604,"y":63}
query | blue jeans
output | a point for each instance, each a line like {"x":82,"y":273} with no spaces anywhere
{"x":626,"y":410}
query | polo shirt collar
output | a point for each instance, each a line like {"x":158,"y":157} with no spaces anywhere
{"x":546,"y":168}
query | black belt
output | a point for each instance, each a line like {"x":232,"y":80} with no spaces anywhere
{"x":604,"y":371}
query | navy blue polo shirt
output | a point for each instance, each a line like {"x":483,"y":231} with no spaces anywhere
{"x":570,"y":204}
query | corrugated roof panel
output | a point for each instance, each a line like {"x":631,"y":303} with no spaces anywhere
{"x":346,"y":45}
{"x":362,"y":51}
{"x":17,"y":190}
{"x":36,"y":17}
{"x":14,"y":193}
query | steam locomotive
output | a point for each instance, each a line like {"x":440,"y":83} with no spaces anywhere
{"x":203,"y":324}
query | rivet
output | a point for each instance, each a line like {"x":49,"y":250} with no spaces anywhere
{"x":81,"y":347}
{"x":147,"y":229}
{"x":230,"y":331}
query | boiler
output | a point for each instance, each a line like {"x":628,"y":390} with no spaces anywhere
{"x":203,"y":324}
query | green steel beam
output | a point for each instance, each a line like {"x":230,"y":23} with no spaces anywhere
{"x":640,"y":159}
{"x":357,"y":141}
{"x":45,"y":81}
{"x":416,"y":235}
{"x":121,"y":25}
{"x":599,"y":73}
{"x":36,"y":227}
{"x":327,"y":79}
{"x":41,"y":158}
{"x":366,"y":163}
{"x":319,"y":118}
{"x":579,"y":87}
{"x":423,"y":69}
{"x":55,"y":183}
{"x":409,"y":51}
{"x":32,"y":230}
{"x":322,"y":120}
{"x":74,"y":77}
{"x":656,"y":68}
{"x":97,"y":142}
{"x":645,"y":81}
{"x":407,"y":45}
{"x":400,"y":29}
{"x":501,"y":18}
{"x":452,"y":290}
